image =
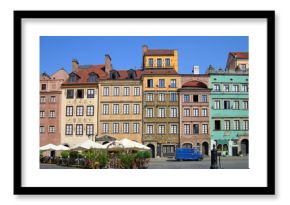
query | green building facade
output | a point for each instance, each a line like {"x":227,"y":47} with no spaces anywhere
{"x":229,"y":111}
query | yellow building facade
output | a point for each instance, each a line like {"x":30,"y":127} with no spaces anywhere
{"x":120,"y":105}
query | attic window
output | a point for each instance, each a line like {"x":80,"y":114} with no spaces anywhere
{"x":114,"y":75}
{"x":73,"y":78}
{"x":92,"y":77}
{"x":131,"y":74}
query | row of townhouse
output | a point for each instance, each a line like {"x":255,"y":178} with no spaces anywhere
{"x":154,"y":105}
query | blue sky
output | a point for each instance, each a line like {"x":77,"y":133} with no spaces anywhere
{"x":126,"y":51}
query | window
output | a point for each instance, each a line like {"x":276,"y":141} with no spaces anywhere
{"x":115,"y":109}
{"x":186,"y":112}
{"x":173,"y":83}
{"x":243,"y":67}
{"x":216,"y":104}
{"x":69,"y":110}
{"x":161,"y":112}
{"x":41,"y":129}
{"x":90,"y":110}
{"x":204,"y":129}
{"x":126,"y":109}
{"x":236,"y":125}
{"x":149,"y":96}
{"x":167,"y":62}
{"x":68,"y":129}
{"x":161,"y":129}
{"x":235,"y":88}
{"x":244,"y":88}
{"x":136,"y":108}
{"x":89,"y":129}
{"x":216,"y":87}
{"x":173,"y":129}
{"x":236,"y":105}
{"x":52,"y":99}
{"x":186,"y":129}
{"x":42,"y":99}
{"x":69,"y":94}
{"x":195,"y":112}
{"x":195,"y":98}
{"x":42,"y":114}
{"x":105,"y":109}
{"x":217,"y":125}
{"x":161,"y":83}
{"x":227,"y":125}
{"x":52,"y":113}
{"x":245,"y":105}
{"x":43,"y":86}
{"x":246,"y":125}
{"x":195,"y":128}
{"x":72,"y":78}
{"x":115,"y":127}
{"x":51,"y":129}
{"x":150,"y":62}
{"x":136,"y":127}
{"x":226,"y":104}
{"x":150,"y":83}
{"x":105,"y":91}
{"x":204,"y":112}
{"x":126,"y":91}
{"x":79,"y":129}
{"x":80,"y":110}
{"x":173,"y":112}
{"x":173,"y":97}
{"x":126,"y":128}
{"x":136,"y":91}
{"x":161,"y":97}
{"x":149,"y":112}
{"x":92,"y":78}
{"x":204,"y":98}
{"x":105,"y":127}
{"x":90,"y":93}
{"x":159,"y":62}
{"x":116,"y":91}
{"x":226,"y":88}
{"x":149,"y":129}
{"x":80,"y":93}
{"x":186,"y":98}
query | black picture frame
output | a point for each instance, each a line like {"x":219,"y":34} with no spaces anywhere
{"x":268,"y":190}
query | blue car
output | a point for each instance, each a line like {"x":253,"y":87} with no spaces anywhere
{"x":188,"y":154}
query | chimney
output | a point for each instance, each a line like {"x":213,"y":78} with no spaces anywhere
{"x":75,"y":65}
{"x":108,"y":65}
{"x":195,"y":70}
{"x":144,"y":49}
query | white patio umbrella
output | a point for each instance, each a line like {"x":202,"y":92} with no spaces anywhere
{"x":126,"y":144}
{"x":89,"y":144}
{"x":61,"y":148}
{"x":48,"y":147}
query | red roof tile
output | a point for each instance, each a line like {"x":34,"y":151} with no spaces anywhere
{"x":194,"y":83}
{"x":159,"y":52}
{"x":166,"y":71}
{"x":84,"y":71}
{"x":240,"y":55}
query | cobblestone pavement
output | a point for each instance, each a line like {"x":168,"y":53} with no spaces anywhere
{"x":163,"y":163}
{"x":226,"y":163}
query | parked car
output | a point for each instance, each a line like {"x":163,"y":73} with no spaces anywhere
{"x":188,"y":154}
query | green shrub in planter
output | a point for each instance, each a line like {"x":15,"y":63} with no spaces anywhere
{"x":126,"y":160}
{"x":102,"y":158}
{"x":73,"y":154}
{"x":146,"y":154}
{"x":65,"y":154}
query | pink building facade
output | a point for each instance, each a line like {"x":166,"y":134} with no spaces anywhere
{"x":194,"y":112}
{"x":50,"y":107}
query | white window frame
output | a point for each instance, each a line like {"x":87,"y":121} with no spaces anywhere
{"x":126,"y":127}
{"x":53,"y":99}
{"x":69,"y":110}
{"x":236,"y":124}
{"x":195,"y":112}
{"x":149,"y":97}
{"x":105,"y":127}
{"x":136,"y":109}
{"x":116,"y":91}
{"x":115,"y":128}
{"x":204,"y":128}
{"x":136,"y":127}
{"x":115,"y":109}
{"x":106,"y":91}
{"x":42,"y":114}
{"x":126,"y":109}
{"x":161,"y":129}
{"x":149,"y":129}
{"x":79,"y":129}
{"x":149,"y":112}
{"x":173,"y":112}
{"x":89,"y":129}
{"x":68,"y":129}
{"x":162,"y":112}
{"x":227,"y":125}
{"x":41,"y":129}
{"x":185,"y":113}
{"x":173,"y":129}
{"x":204,"y":112}
{"x":217,"y":104}
{"x":136,"y":91}
{"x":186,"y":129}
{"x":106,"y":109}
{"x":51,"y":129}
{"x":90,"y":110}
{"x":126,"y":91}
{"x":161,"y":97}
{"x":79,"y":110}
{"x":52,"y":114}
